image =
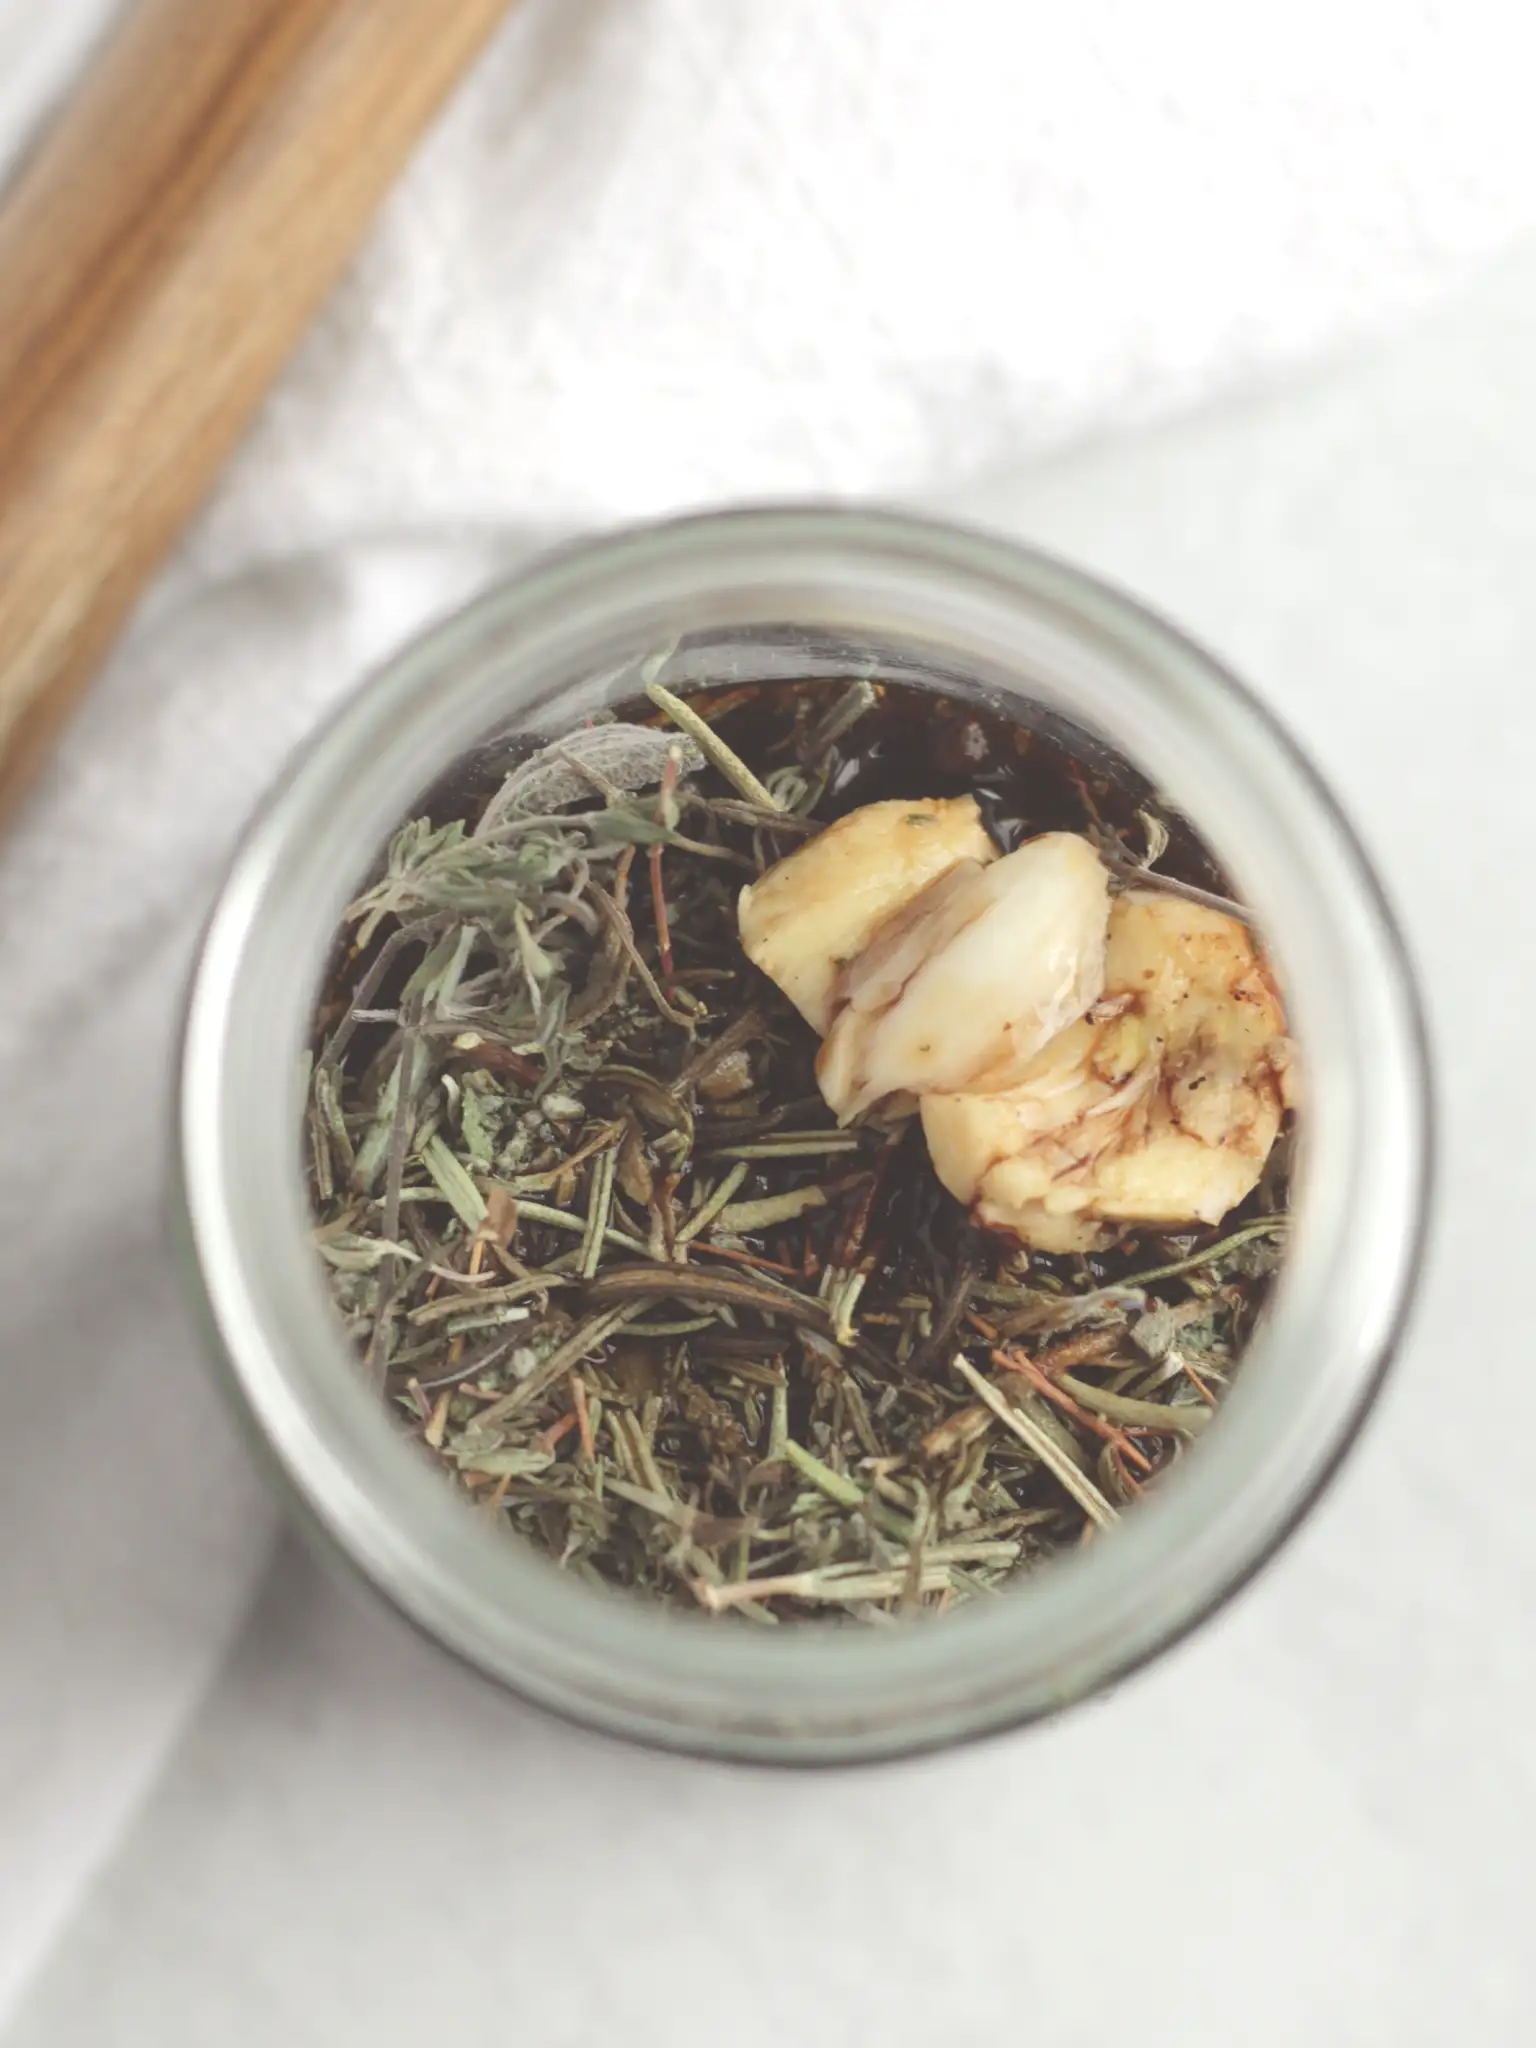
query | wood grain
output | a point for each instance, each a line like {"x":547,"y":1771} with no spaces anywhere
{"x":160,"y":256}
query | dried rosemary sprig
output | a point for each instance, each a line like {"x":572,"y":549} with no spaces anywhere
{"x":590,"y":1226}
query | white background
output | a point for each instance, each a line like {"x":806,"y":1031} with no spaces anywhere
{"x":1310,"y":1824}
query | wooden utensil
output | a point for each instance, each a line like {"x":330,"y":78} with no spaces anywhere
{"x":159,"y":257}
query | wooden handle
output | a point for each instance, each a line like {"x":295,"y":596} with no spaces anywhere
{"x":159,"y":257}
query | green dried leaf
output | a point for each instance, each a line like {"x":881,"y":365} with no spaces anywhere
{"x":453,"y":1183}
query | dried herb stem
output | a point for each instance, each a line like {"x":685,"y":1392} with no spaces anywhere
{"x":744,"y":1217}
{"x":1263,"y":1226}
{"x":1167,"y":1418}
{"x":1150,"y":878}
{"x":796,"y":1145}
{"x":625,"y":931}
{"x":689,"y":1283}
{"x":1045,"y":1447}
{"x":715,"y":750}
{"x":557,"y":1219}
{"x":599,"y":1209}
{"x":717,"y":1205}
{"x":835,"y":1585}
{"x":1057,"y":1392}
{"x":846,"y":1492}
{"x":588,"y":1337}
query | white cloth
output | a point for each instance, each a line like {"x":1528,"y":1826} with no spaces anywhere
{"x":658,"y":254}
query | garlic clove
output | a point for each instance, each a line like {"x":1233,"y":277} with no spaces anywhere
{"x":968,"y":1133}
{"x":903,"y":941}
{"x":818,"y":908}
{"x":1160,"y":1109}
{"x":962,"y":988}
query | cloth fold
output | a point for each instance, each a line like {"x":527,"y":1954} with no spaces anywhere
{"x":656,"y":255}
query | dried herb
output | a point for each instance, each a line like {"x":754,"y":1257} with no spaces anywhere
{"x":591,"y":1228}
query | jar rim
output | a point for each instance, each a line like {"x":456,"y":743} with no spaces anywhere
{"x":1044,"y":630}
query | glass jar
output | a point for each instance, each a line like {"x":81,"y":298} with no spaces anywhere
{"x":744,"y":596}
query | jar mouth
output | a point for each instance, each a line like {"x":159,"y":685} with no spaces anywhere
{"x":878,"y":589}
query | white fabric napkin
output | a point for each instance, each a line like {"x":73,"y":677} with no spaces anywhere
{"x":657,"y":255}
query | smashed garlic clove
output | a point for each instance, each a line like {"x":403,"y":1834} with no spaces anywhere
{"x":818,"y":908}
{"x":1159,"y":1108}
{"x":962,"y":987}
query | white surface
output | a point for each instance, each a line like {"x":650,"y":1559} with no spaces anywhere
{"x":666,"y":252}
{"x":649,"y":277}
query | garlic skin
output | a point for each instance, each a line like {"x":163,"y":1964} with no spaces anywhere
{"x":962,"y":987}
{"x":1159,"y":1108}
{"x":819,"y":907}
